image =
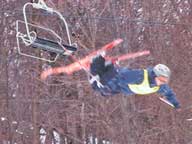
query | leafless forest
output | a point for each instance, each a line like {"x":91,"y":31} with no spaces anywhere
{"x":64,"y":109}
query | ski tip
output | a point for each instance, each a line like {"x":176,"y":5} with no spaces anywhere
{"x":111,"y":44}
{"x":43,"y":76}
{"x":114,"y":43}
{"x":189,"y":119}
{"x":118,"y":41}
{"x":146,"y":52}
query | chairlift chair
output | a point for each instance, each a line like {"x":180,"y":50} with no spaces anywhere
{"x":30,"y":38}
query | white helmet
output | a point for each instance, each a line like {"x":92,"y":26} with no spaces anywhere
{"x":162,"y":70}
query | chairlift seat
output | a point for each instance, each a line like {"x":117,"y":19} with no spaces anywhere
{"x":52,"y":46}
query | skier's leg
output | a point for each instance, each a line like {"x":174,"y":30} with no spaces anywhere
{"x":97,"y":65}
{"x":110,"y":72}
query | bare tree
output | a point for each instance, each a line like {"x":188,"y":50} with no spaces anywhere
{"x":64,"y":109}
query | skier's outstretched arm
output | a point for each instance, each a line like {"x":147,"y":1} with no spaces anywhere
{"x":166,"y":91}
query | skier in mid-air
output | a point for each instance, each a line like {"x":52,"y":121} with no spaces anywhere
{"x":109,"y":79}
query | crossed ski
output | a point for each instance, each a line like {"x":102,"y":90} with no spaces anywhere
{"x":84,"y":63}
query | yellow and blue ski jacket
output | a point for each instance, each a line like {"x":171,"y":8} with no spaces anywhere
{"x":133,"y":81}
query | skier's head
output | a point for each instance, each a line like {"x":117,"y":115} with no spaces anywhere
{"x":162,"y":73}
